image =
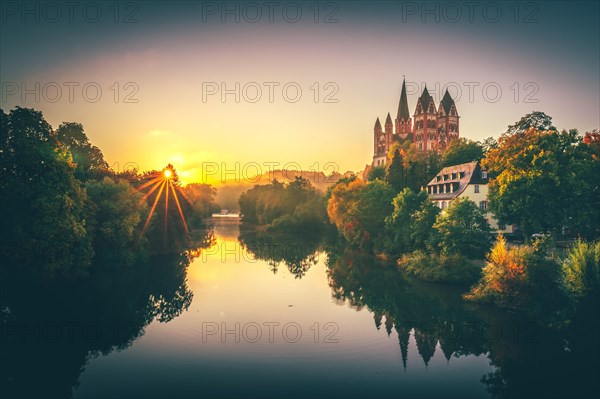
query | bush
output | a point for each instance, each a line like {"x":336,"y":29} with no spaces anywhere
{"x":452,"y":268}
{"x":523,"y":279}
{"x":580,"y":270}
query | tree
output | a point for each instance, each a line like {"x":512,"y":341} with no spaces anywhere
{"x":463,"y":229}
{"x":462,"y":151}
{"x":545,"y":182}
{"x":358,"y":210}
{"x":88,"y":158}
{"x":536,"y":120}
{"x":409,"y":227}
{"x":295,"y":206}
{"x":593,"y":140}
{"x":116,"y":210}
{"x":395,"y":175}
{"x":420,"y":167}
{"x":489,"y":144}
{"x":201,"y":197}
{"x":376,"y":172}
{"x":42,"y":204}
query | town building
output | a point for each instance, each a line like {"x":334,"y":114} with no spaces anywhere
{"x":467,"y":180}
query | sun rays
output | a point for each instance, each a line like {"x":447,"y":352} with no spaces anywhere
{"x":163,"y":181}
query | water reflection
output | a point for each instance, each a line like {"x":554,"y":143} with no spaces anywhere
{"x":529,"y":360}
{"x":49,"y":332}
{"x":297,"y":253}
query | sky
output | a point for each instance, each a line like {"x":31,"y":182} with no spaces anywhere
{"x":231,"y":89}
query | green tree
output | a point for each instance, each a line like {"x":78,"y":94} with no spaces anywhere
{"x":489,"y":144}
{"x":42,"y":204}
{"x":295,"y":206}
{"x":463,"y":229}
{"x":376,"y":172}
{"x":116,"y":211}
{"x":462,"y":151}
{"x":395,"y":175}
{"x":409,"y":227}
{"x":202,"y":199}
{"x":536,"y":120}
{"x":88,"y":158}
{"x":421,"y":167}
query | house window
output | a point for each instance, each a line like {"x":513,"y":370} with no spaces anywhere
{"x":444,"y":188}
{"x":501,"y":226}
{"x":443,"y":204}
{"x":453,"y":176}
{"x":476,"y":188}
{"x":483,"y":205}
{"x":461,"y":174}
{"x":483,"y":174}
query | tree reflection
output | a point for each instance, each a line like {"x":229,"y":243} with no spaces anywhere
{"x":530,"y":360}
{"x":50,"y":331}
{"x":297,"y":252}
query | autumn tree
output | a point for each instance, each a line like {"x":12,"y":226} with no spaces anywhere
{"x":544,"y":181}
{"x":358,"y":210}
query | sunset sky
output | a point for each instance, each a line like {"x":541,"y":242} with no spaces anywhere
{"x":544,"y":54}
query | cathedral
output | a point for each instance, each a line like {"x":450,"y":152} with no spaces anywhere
{"x":432,"y":130}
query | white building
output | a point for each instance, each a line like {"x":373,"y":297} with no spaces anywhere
{"x":466,"y":180}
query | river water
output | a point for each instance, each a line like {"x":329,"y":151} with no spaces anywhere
{"x":261,"y":316}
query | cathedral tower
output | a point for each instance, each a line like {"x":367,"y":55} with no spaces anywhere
{"x":425,"y":127}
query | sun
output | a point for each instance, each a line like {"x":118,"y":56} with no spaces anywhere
{"x":165,"y":182}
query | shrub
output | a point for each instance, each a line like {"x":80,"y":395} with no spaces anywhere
{"x":580,"y":269}
{"x":524,"y":279}
{"x":452,"y":268}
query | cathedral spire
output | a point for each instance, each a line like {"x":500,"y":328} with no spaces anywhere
{"x":403,"y":105}
{"x":425,"y":99}
{"x":447,"y":102}
{"x":377,"y":124}
{"x":388,"y":120}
